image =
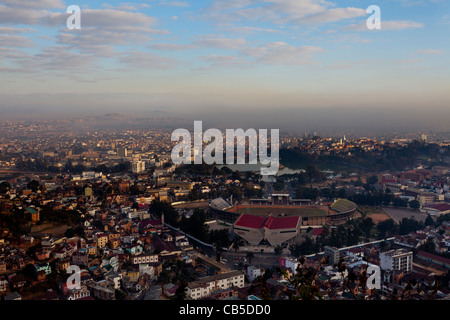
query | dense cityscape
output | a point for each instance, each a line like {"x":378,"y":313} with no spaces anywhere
{"x":139,"y":227}
{"x":224,"y":158}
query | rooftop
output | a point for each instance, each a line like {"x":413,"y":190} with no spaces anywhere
{"x":269,"y":222}
{"x":281,"y":222}
{"x":250,"y":221}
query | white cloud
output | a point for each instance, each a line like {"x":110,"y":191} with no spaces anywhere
{"x":221,"y":43}
{"x":34,"y":4}
{"x":174,"y":4}
{"x":13,"y":30}
{"x":170,"y":46}
{"x":248,"y":29}
{"x":104,"y":18}
{"x":430,"y":51}
{"x":280,"y":11}
{"x":7,"y":40}
{"x":386,"y":25}
{"x":333,"y":15}
{"x":283,"y":53}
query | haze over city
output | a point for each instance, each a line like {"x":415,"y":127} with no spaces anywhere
{"x":295,"y":64}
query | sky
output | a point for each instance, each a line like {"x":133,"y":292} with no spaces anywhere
{"x":302,"y":64}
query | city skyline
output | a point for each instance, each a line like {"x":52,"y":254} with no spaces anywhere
{"x":266,"y":64}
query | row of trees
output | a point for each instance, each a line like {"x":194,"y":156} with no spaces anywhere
{"x":382,"y":199}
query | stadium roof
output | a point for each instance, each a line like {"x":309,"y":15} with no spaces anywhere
{"x":281,"y":222}
{"x":343,"y":205}
{"x":270,"y":222}
{"x":220,"y":204}
{"x":250,"y":221}
{"x":438,"y":206}
{"x":433,"y":257}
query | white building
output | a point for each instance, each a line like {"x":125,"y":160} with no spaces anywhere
{"x":81,"y":293}
{"x":203,"y":287}
{"x":144,"y":258}
{"x":289,"y":263}
{"x":253,"y":273}
{"x":397,"y":259}
{"x":138,"y":166}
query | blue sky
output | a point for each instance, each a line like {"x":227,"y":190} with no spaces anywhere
{"x":210,"y":56}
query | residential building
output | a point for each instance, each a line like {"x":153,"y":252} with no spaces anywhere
{"x":203,"y":287}
{"x":333,"y":254}
{"x":396,"y":259}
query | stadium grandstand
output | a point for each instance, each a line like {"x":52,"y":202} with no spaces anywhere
{"x":219,"y":207}
{"x":308,"y":213}
{"x":344,"y":210}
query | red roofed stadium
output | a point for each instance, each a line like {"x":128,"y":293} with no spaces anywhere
{"x":279,"y":218}
{"x":275,"y":230}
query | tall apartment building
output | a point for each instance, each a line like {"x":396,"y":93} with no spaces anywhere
{"x":333,"y":254}
{"x":138,"y":166}
{"x":122,"y":152}
{"x":397,"y":259}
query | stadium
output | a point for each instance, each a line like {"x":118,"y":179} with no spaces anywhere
{"x":279,"y":218}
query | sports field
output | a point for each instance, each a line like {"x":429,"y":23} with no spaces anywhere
{"x":281,"y":210}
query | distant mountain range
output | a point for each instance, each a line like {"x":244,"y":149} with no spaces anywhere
{"x":121,"y":121}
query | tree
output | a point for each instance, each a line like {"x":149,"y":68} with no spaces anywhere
{"x":180,"y":293}
{"x":372,"y":180}
{"x":429,"y":221}
{"x":428,"y":246}
{"x":304,"y":283}
{"x":250,"y":256}
{"x":386,"y":227}
{"x":414,"y":204}
{"x":33,"y":185}
{"x":170,"y":214}
{"x":4,"y":187}
{"x":278,"y":250}
{"x":220,"y":238}
{"x":366,"y":226}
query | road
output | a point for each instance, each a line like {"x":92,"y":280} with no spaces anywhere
{"x":266,"y":260}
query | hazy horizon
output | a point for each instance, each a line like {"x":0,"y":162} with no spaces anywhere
{"x":303,"y":65}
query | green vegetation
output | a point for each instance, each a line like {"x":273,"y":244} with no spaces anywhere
{"x":392,"y":158}
{"x":288,"y":211}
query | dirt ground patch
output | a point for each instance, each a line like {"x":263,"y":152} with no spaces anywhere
{"x":378,"y":217}
{"x":376,"y":214}
{"x":398,"y":214}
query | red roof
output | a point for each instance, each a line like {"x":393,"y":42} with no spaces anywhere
{"x":433,"y":257}
{"x":317,"y":231}
{"x":439,"y":206}
{"x":270,"y":222}
{"x":250,"y":221}
{"x":281,"y":222}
